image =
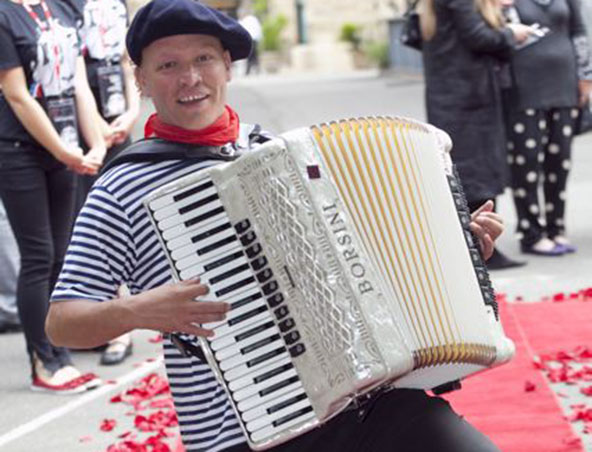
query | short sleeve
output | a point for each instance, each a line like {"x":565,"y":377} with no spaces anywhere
{"x":98,"y":258}
{"x":9,"y":56}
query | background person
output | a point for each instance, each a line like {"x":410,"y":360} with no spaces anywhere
{"x":45,"y":98}
{"x":552,"y":78}
{"x":464,"y":43}
{"x":184,"y":51}
{"x":111,"y":80}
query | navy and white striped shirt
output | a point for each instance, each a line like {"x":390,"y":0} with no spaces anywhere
{"x":113,"y":244}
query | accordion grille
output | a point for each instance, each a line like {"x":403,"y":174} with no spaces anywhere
{"x":377,"y":165}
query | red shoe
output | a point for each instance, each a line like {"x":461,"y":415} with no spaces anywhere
{"x":67,"y":380}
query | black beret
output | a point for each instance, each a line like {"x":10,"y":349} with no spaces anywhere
{"x":162,"y":18}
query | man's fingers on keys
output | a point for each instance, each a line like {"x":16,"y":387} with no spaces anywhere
{"x":198,"y":331}
{"x":194,"y":288}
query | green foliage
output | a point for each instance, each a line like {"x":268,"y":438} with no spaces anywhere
{"x":260,"y":8}
{"x":272,"y":30}
{"x":351,"y":33}
{"x":378,"y":53}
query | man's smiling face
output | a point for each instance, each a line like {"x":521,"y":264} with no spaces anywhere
{"x":186,"y":77}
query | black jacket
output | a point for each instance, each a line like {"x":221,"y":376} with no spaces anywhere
{"x":463,"y":96}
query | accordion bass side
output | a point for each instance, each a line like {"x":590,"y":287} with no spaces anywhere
{"x":345,"y":252}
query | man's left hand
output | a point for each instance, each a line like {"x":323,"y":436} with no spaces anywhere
{"x":487,"y":227}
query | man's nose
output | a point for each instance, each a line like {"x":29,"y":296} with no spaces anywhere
{"x":191,"y":75}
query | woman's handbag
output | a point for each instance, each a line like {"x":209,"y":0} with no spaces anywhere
{"x":584,"y":123}
{"x":411,"y":31}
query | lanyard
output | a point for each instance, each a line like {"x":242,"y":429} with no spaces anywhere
{"x":47,"y":26}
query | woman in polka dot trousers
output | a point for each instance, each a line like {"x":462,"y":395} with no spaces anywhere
{"x":551,"y":78}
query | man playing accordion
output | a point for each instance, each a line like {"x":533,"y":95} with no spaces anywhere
{"x":183,"y":51}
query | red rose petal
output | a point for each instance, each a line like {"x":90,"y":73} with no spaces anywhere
{"x":529,"y":386}
{"x":108,"y":424}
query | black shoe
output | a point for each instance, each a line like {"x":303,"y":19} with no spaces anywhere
{"x":115,"y":353}
{"x":10,"y":326}
{"x":499,"y":261}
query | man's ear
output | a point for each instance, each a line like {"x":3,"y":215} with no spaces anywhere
{"x":227,"y":65}
{"x":141,"y":81}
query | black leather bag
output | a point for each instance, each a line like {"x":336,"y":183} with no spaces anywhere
{"x":584,"y":123}
{"x":411,"y":31}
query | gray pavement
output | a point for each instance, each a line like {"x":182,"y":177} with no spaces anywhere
{"x":45,"y":423}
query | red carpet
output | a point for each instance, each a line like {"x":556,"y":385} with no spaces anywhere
{"x":497,"y":401}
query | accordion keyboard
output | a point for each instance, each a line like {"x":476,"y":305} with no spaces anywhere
{"x":254,"y":345}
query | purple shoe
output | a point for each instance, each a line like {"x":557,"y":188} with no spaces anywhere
{"x":557,"y":250}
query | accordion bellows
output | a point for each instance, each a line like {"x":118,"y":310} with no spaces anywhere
{"x":345,"y":252}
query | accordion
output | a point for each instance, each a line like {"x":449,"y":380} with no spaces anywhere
{"x":345,"y":252}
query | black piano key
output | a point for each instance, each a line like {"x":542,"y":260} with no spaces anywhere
{"x":297,"y":350}
{"x":252,"y":251}
{"x":204,"y":216}
{"x":223,"y":261}
{"x":285,"y":403}
{"x":281,"y":312}
{"x":237,"y":285}
{"x":253,"y":331}
{"x":266,"y":356}
{"x":272,"y":373}
{"x":270,"y":287}
{"x":248,"y":238}
{"x":193,"y":191}
{"x":259,"y":263}
{"x":247,"y":315}
{"x":287,"y":324}
{"x":209,"y":233}
{"x":228,"y":274}
{"x":242,"y":226}
{"x":246,"y":300}
{"x":278,"y":386}
{"x":292,"y":337}
{"x":291,"y":416}
{"x":218,"y":244}
{"x":264,"y":275}
{"x":263,"y":342}
{"x":197,"y":204}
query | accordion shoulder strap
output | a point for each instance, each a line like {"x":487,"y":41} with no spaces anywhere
{"x":159,"y":150}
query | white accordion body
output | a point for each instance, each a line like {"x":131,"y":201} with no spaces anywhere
{"x":345,"y":252}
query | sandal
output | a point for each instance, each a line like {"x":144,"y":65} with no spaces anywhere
{"x":116,"y":352}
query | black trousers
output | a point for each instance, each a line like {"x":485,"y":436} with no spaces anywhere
{"x":539,"y":156}
{"x":38,"y":194}
{"x":403,"y":420}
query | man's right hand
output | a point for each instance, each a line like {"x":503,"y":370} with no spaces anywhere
{"x":173,"y":308}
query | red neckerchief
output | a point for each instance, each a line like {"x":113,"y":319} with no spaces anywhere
{"x":223,"y":130}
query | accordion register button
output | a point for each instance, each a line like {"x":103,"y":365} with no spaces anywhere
{"x":259,"y":263}
{"x":475,"y":256}
{"x":270,"y":288}
{"x":286,"y":325}
{"x":481,"y":275}
{"x":275,"y":300}
{"x":252,"y":251}
{"x":264,"y":275}
{"x":465,"y":219}
{"x":281,"y":312}
{"x":292,"y":337}
{"x":242,"y":226}
{"x":248,"y":238}
{"x":297,"y":350}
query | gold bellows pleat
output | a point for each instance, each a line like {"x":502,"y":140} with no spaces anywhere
{"x":375,"y":163}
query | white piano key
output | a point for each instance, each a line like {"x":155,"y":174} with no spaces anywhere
{"x":198,"y":268}
{"x":173,"y":209}
{"x":266,"y":432}
{"x":254,"y":389}
{"x":224,"y":329}
{"x":183,"y":246}
{"x":220,"y":343}
{"x":182,"y":231}
{"x":215,"y":287}
{"x":241,"y":359}
{"x":234,"y":313}
{"x":255,"y":401}
{"x":261,"y":410}
{"x":190,"y":260}
{"x":250,"y":378}
{"x":267,"y":421}
{"x":176,"y":220}
{"x":169,"y":198}
{"x":235,"y":349}
{"x":243,"y":370}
